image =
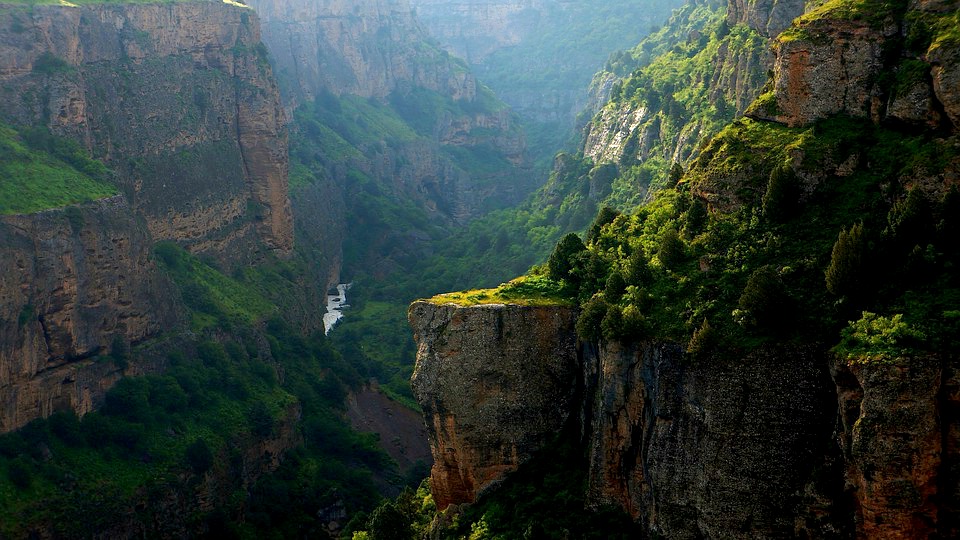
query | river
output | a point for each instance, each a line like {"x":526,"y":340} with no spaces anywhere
{"x":335,"y":305}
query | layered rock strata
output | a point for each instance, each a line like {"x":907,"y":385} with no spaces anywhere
{"x":178,"y":98}
{"x":75,"y":283}
{"x":784,"y":442}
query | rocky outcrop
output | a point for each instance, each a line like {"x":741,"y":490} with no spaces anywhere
{"x":833,"y":71}
{"x":177,"y":97}
{"x":74,"y":283}
{"x":496,"y":383}
{"x":785,"y":441}
{"x":831,"y":63}
{"x":661,"y":128}
{"x":766,"y":17}
{"x":367,"y":48}
{"x":899,"y":439}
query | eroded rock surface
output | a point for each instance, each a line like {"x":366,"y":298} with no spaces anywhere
{"x":496,"y":383}
{"x":73,"y":282}
{"x":177,"y":97}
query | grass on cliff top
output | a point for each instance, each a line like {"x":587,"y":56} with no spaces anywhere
{"x":873,"y":12}
{"x":531,"y":290}
{"x":39,"y":171}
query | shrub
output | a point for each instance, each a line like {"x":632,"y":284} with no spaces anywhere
{"x":878,"y":339}
{"x":588,"y":323}
{"x":638,"y":269}
{"x":611,"y":327}
{"x":615,"y":287}
{"x":387,"y":522}
{"x":764,"y":303}
{"x":703,"y":339}
{"x":910,"y":220}
{"x":695,"y":219}
{"x":605,"y":216}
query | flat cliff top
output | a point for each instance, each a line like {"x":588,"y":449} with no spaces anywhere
{"x":522,"y":291}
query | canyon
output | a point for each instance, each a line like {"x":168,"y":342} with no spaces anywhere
{"x":781,"y":439}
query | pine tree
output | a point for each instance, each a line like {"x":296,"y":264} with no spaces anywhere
{"x":561,"y":260}
{"x":671,"y":251}
{"x":782,"y":195}
{"x":843,"y":276}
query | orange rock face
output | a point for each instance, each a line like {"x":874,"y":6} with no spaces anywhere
{"x":496,"y":383}
{"x":71,"y":283}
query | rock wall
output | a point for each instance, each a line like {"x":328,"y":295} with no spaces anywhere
{"x":178,"y":98}
{"x":496,"y":383}
{"x":365,"y":48}
{"x":784,"y":442}
{"x":829,"y":64}
{"x":73,"y":282}
{"x":900,"y":441}
{"x":767,"y":17}
{"x":711,"y":449}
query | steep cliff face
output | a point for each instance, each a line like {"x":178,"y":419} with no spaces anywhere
{"x":767,"y":17}
{"x":178,"y":98}
{"x":364,"y":48}
{"x":900,"y":443}
{"x":755,"y":430}
{"x":74,"y":282}
{"x":496,"y":383}
{"x":831,"y":62}
{"x":712,"y":64}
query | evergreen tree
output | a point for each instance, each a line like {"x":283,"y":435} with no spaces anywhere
{"x":561,"y":260}
{"x":638,"y":269}
{"x":765,"y":300}
{"x":782,"y":195}
{"x":676,"y":173}
{"x":671,"y":251}
{"x":615,"y":287}
{"x":695,"y":219}
{"x":844,"y":275}
{"x":605,"y":216}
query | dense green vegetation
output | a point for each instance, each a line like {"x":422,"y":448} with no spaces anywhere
{"x":245,"y":376}
{"x":669,"y":269}
{"x":505,"y":243}
{"x":41,"y":171}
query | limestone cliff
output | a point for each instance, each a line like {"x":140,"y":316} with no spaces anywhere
{"x":178,"y":100}
{"x":177,"y":97}
{"x":745,"y":448}
{"x":73,"y":282}
{"x":713,"y":449}
{"x":831,"y":62}
{"x":495,"y":383}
